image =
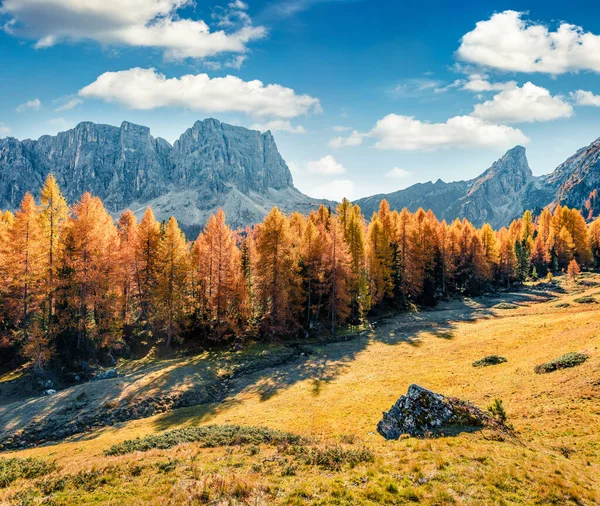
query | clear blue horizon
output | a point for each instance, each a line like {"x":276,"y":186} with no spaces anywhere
{"x":362,"y":97}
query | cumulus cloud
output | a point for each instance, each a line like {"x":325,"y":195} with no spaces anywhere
{"x":137,"y":23}
{"x":527,"y":104}
{"x":334,"y":190}
{"x":582,"y":97}
{"x":480,"y":85}
{"x":279,"y":125}
{"x":146,"y":89}
{"x":340,"y":128}
{"x":4,"y":130}
{"x":398,"y":173}
{"x":30,"y":105}
{"x":326,"y":166}
{"x":354,"y":139}
{"x":409,"y":134}
{"x":508,"y":42}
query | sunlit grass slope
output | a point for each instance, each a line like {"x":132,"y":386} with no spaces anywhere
{"x":334,"y":398}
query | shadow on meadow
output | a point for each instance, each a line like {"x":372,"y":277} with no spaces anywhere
{"x":207,"y":384}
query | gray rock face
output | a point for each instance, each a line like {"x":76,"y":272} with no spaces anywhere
{"x":421,"y":412}
{"x":212,"y":164}
{"x":504,"y":191}
{"x":577,"y":177}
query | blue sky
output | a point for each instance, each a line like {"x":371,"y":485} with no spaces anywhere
{"x":363,"y":96}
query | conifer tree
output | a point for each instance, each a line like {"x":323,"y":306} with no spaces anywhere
{"x":172,"y":282}
{"x":147,"y":265}
{"x":25,"y":263}
{"x":53,"y":213}
{"x":276,"y":275}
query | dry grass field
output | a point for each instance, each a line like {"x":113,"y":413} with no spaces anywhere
{"x":333,"y":396}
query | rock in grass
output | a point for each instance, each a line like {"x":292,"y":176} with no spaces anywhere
{"x":562,"y":362}
{"x":421,"y":412}
{"x":489,"y":360}
{"x":505,"y":305}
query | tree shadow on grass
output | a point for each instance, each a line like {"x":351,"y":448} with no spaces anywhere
{"x":200,"y":387}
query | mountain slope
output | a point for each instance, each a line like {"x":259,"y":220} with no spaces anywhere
{"x":504,"y":191}
{"x":212,"y":164}
{"x":497,"y":196}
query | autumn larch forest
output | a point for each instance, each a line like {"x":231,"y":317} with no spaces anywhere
{"x":76,"y":285}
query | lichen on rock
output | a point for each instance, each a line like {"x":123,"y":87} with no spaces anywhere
{"x":421,"y":412}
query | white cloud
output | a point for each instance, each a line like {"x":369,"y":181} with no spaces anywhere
{"x":508,"y":42}
{"x":479,"y":85}
{"x":408,"y":134}
{"x":582,"y":97}
{"x":527,"y":104}
{"x":138,"y":23}
{"x":355,"y":139}
{"x":30,"y":105}
{"x":398,"y":173}
{"x":326,"y":166}
{"x":341,"y":128}
{"x":334,"y":190}
{"x":4,"y":130}
{"x":279,"y":125}
{"x":146,"y":89}
{"x":71,"y":104}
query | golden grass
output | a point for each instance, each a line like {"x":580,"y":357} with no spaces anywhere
{"x":556,"y":416}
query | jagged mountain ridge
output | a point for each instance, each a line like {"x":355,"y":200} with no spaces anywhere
{"x":504,"y":191}
{"x":211,"y":165}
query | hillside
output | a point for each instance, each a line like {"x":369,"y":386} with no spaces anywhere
{"x":504,"y":191}
{"x":333,"y":394}
{"x":211,"y":165}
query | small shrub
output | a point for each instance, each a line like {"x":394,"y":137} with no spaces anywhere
{"x":167,"y":466}
{"x":562,"y":362}
{"x":209,"y":436}
{"x":489,"y":360}
{"x":16,"y":468}
{"x":586,"y":299}
{"x":563,"y":305}
{"x":496,"y":409}
{"x":333,"y":458}
{"x":50,"y":486}
{"x":348,"y":438}
{"x":573,"y":270}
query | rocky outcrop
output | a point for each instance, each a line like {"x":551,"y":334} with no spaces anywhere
{"x":576,"y":178}
{"x":504,"y":191}
{"x":211,"y":165}
{"x":422,"y":412}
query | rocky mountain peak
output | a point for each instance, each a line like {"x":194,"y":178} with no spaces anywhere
{"x":212,"y":164}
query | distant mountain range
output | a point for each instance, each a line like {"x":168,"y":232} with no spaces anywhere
{"x":211,"y":165}
{"x":216,"y":165}
{"x":504,"y":191}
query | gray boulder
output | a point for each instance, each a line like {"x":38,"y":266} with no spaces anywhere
{"x":421,"y":412}
{"x":109,"y":374}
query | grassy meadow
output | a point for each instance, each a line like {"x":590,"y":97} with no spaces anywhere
{"x":329,"y":400}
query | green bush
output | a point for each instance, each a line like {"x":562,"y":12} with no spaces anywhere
{"x":209,"y":436}
{"x":496,"y":409}
{"x":332,"y":458}
{"x":586,"y":299}
{"x":562,"y":362}
{"x":489,"y":360}
{"x":15,"y":468}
